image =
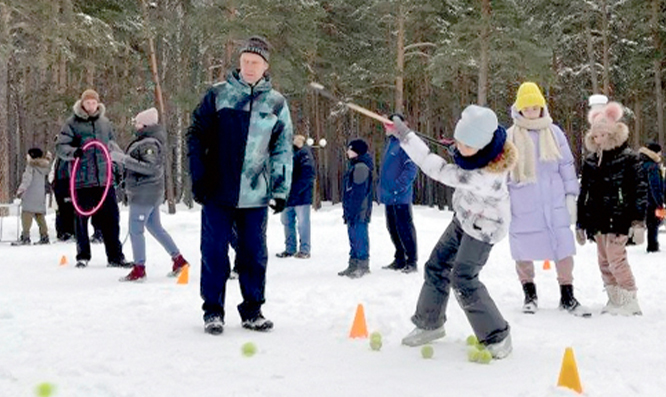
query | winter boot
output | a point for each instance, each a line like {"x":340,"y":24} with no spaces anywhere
{"x":22,"y":241}
{"x":531,"y":303}
{"x":362,"y":268}
{"x":121,"y":263}
{"x":420,"y":336}
{"x":43,"y":240}
{"x":258,"y":323}
{"x":285,"y":254}
{"x":213,"y":324}
{"x":627,"y":303}
{"x":500,"y":349}
{"x":82,"y":263}
{"x":570,"y":304}
{"x":395,"y":265}
{"x":138,"y":274}
{"x":353,"y":264}
{"x":178,"y":264}
{"x":409,"y":268}
{"x":613,"y":300}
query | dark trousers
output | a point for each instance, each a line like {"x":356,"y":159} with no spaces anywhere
{"x":217,"y":224}
{"x":455,"y":262}
{"x":65,"y":216}
{"x":403,"y":234}
{"x":107,"y":218}
{"x":652,"y":224}
{"x":359,"y":241}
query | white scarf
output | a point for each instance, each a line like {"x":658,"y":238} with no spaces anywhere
{"x":525,"y":170}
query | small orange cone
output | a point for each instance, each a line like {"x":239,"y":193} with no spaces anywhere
{"x":569,"y":373}
{"x":63,"y":260}
{"x":184,"y":276}
{"x":359,"y":329}
{"x":546,"y":265}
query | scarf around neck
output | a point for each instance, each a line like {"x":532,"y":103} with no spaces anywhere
{"x":525,"y":170}
{"x":484,"y":156}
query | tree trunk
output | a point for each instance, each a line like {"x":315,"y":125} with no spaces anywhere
{"x":656,"y":65}
{"x":638,"y":113}
{"x":604,"y":34}
{"x":5,"y":49}
{"x":160,"y":106}
{"x":482,"y":96}
{"x":400,"y":61}
{"x":590,"y":55}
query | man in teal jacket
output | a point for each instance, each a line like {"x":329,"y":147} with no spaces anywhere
{"x":240,"y":155}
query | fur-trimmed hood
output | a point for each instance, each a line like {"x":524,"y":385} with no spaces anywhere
{"x":42,"y":162}
{"x":617,"y":137}
{"x":649,"y":153}
{"x":82,"y":114}
{"x":505,"y":161}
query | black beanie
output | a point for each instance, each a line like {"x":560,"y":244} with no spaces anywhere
{"x":35,"y":153}
{"x":358,"y":146}
{"x":258,"y":45}
{"x":654,"y":146}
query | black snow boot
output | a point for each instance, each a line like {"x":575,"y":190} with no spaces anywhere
{"x":530,"y":305}
{"x":362,"y":268}
{"x":570,"y":304}
{"x":353,"y":264}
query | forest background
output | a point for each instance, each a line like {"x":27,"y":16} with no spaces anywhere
{"x":425,"y":58}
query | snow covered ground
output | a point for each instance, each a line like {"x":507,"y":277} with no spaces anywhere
{"x":90,"y":335}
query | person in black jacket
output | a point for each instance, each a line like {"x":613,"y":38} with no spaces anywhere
{"x":612,"y":204}
{"x":651,"y":158}
{"x":299,"y":202}
{"x":357,"y":207}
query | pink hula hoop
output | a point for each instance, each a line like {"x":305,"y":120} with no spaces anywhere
{"x":72,"y":178}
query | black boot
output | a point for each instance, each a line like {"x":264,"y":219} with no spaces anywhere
{"x":362,"y":268}
{"x":43,"y":240}
{"x":353,"y":264}
{"x":530,"y":305}
{"x":22,"y":241}
{"x":570,"y":304}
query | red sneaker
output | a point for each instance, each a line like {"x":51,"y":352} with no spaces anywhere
{"x":138,"y":274}
{"x":178,"y":264}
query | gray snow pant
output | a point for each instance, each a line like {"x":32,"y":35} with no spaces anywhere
{"x":456,"y":262}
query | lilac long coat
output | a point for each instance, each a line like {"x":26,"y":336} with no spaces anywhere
{"x":539,"y":228}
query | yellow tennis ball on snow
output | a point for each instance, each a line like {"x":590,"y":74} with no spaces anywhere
{"x":427,"y":351}
{"x":44,"y":389}
{"x":249,"y":349}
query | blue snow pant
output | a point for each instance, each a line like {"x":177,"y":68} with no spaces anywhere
{"x":217,"y":223}
{"x":455,"y":262}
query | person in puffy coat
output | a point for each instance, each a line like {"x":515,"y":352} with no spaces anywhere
{"x":543,"y":189}
{"x":651,"y":157}
{"x":612,"y":204}
{"x":144,"y":165}
{"x":32,"y":192}
{"x":483,"y":159}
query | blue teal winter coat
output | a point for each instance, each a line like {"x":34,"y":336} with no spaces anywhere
{"x":302,"y":179}
{"x":397,"y":175}
{"x":240,"y":145}
{"x":357,"y":194}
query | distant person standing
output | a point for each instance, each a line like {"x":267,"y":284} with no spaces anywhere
{"x":32,"y":192}
{"x":396,"y":181}
{"x":89,"y":123}
{"x":297,"y":211}
{"x":650,"y":156}
{"x":240,"y":153}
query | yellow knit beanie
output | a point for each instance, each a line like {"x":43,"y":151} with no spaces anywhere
{"x":529,"y":94}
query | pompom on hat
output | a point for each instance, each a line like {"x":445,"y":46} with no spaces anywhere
{"x":605,"y":118}
{"x":528,"y":95}
{"x":147,"y":117}
{"x":89,"y":94}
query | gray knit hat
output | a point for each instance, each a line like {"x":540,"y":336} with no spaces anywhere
{"x":257,"y":45}
{"x":476,"y":126}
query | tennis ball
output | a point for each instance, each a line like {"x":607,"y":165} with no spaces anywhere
{"x":473,"y":354}
{"x":427,"y":351}
{"x":44,"y":389}
{"x":485,"y":357}
{"x":472,"y":340}
{"x":249,"y":349}
{"x":375,"y":344}
{"x":376,"y":336}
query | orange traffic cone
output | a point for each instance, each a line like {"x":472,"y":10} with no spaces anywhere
{"x":184,"y":276}
{"x":569,"y":373}
{"x":63,"y":260}
{"x":359,"y":329}
{"x":546,"y":265}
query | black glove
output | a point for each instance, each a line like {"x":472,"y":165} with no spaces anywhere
{"x":199,"y":192}
{"x":278,"y":205}
{"x":78,"y":153}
